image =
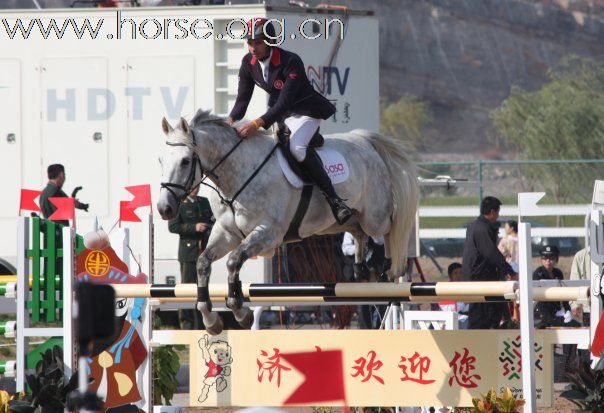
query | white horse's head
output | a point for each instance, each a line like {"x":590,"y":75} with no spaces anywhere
{"x":181,"y":168}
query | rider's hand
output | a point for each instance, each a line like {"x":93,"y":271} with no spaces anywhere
{"x":230,"y":121}
{"x":250,"y":128}
{"x":201,"y":227}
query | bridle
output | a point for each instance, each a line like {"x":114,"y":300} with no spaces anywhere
{"x":189,"y":184}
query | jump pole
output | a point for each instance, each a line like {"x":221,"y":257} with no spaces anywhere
{"x":320,"y":291}
{"x":471,"y":291}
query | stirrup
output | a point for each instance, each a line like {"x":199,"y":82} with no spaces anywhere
{"x":340,"y":210}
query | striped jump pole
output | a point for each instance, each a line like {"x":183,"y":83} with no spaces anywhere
{"x":11,"y":279}
{"x":333,"y":292}
{"x":8,"y":290}
{"x":8,"y":368}
{"x":8,"y":328}
{"x":487,"y":291}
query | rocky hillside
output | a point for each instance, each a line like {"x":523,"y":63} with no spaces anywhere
{"x":462,"y":56}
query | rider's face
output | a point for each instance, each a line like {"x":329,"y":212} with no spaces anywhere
{"x":258,"y":48}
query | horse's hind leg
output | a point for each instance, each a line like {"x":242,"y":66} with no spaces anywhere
{"x":359,"y":268}
{"x":387,"y":259}
{"x":256,"y":242}
{"x":219,"y":244}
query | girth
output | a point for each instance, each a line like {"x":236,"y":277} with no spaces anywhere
{"x":283,"y":135}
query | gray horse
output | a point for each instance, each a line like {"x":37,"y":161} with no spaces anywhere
{"x":382,"y":190}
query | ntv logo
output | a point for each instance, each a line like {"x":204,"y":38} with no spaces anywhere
{"x":322,"y":78}
{"x":101,"y":102}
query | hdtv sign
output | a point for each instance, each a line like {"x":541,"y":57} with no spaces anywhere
{"x":100,"y":103}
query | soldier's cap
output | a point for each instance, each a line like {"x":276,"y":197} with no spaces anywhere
{"x":549,"y":251}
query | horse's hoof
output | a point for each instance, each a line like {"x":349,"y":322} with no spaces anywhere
{"x":213,"y":324}
{"x":245,"y":317}
{"x":361,"y":272}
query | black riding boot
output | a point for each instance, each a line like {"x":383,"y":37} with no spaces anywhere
{"x":313,"y":166}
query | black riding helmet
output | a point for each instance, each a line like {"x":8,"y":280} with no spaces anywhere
{"x":263,"y":29}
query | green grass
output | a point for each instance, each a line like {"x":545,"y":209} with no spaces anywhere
{"x":435,"y":200}
{"x":457,"y":222}
{"x":441,"y":199}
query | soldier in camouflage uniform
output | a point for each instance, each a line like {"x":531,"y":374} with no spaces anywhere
{"x":193,"y":223}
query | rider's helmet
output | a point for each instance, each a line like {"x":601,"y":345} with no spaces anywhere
{"x":260,"y":28}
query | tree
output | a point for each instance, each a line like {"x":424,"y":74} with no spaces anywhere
{"x":562,"y":120}
{"x":405,"y":118}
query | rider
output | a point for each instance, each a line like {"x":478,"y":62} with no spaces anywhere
{"x":292,"y":100}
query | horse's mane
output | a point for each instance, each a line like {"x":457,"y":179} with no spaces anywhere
{"x":206,"y":117}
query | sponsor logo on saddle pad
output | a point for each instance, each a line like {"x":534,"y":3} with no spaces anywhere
{"x":334,"y":170}
{"x":334,"y":163}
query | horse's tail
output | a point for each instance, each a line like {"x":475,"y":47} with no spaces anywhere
{"x":405,"y":194}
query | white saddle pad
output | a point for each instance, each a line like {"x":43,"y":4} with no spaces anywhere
{"x":333,"y":161}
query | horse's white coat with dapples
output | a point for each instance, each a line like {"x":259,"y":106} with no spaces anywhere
{"x":382,"y":190}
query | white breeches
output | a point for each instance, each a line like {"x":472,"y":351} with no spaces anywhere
{"x":302,"y":130}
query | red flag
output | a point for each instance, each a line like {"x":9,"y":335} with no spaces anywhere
{"x":324,"y":376}
{"x":28,"y":200}
{"x":597,"y":346}
{"x":65,"y":209}
{"x":142,"y":196}
{"x":127,"y":212}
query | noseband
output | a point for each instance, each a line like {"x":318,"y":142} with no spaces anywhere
{"x":189,"y":184}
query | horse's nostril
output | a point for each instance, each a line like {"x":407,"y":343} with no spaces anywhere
{"x":168,"y":210}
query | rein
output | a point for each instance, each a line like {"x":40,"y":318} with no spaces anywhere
{"x":189,"y":184}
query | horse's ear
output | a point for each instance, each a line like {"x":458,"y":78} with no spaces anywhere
{"x":184,"y":125}
{"x":166,"y":126}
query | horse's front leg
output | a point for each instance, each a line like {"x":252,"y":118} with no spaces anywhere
{"x":259,"y":240}
{"x":219,"y":244}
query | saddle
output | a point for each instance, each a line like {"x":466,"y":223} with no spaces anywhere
{"x":283,"y":135}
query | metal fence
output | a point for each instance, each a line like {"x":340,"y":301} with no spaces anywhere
{"x":446,"y":209}
{"x":565,"y":181}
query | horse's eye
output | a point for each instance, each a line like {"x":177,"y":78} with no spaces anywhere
{"x":185,"y":162}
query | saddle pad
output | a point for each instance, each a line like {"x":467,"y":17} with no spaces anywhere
{"x":333,"y":162}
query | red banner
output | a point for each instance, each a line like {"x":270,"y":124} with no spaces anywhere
{"x":65,"y":209}
{"x":142,"y":196}
{"x":127,"y":212}
{"x":28,"y":200}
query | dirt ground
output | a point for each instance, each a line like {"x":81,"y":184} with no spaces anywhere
{"x":432,"y":274}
